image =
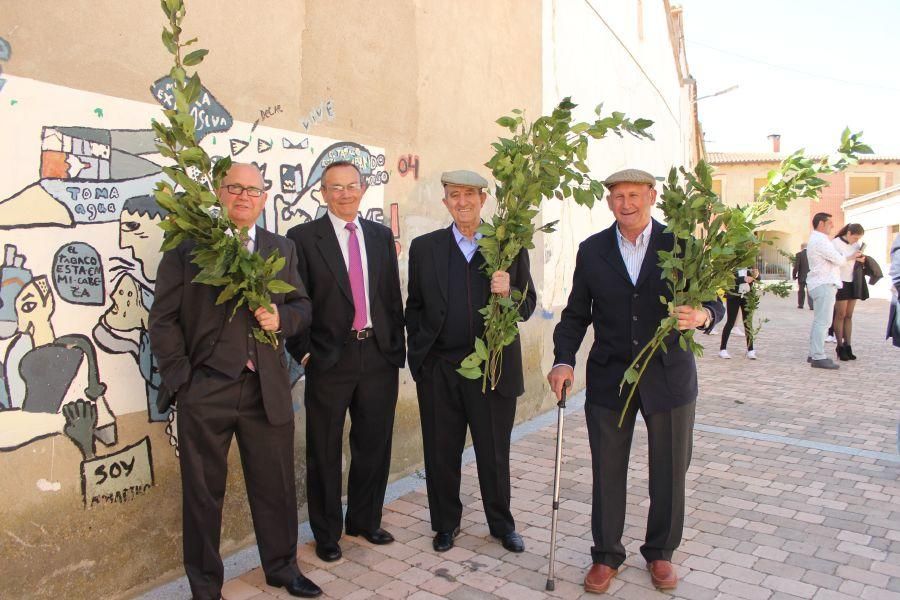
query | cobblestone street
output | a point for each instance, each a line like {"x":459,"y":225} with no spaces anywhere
{"x":793,"y":492}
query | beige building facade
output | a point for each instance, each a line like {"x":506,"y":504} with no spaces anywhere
{"x":739,"y":176}
{"x":406,"y":89}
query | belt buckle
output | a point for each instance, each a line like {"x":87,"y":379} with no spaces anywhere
{"x":362,"y":334}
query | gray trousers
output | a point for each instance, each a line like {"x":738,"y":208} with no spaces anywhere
{"x":670,"y":435}
{"x":823,"y":312}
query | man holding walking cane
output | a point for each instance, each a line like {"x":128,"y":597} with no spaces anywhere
{"x":616,"y":286}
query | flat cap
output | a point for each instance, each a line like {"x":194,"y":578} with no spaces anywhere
{"x":467,"y":178}
{"x":629,"y":176}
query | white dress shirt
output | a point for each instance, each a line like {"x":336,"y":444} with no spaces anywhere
{"x":343,"y":237}
{"x":825,"y":261}
{"x":633,"y":254}
{"x":846,"y":250}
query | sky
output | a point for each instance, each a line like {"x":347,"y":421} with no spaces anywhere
{"x":805,"y":69}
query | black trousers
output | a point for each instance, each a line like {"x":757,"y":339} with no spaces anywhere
{"x":802,"y":293}
{"x":732,"y":305}
{"x":366,"y":384}
{"x":448,"y":405}
{"x":210,"y":411}
{"x":670,"y":437}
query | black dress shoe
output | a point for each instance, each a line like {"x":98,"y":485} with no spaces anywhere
{"x":328,"y":551}
{"x":849,"y":352}
{"x":512,"y":541}
{"x":443,"y":540}
{"x":299,"y":586}
{"x":379,"y":537}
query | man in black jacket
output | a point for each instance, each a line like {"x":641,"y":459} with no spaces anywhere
{"x":353,"y":354}
{"x":617,"y":286}
{"x":228,"y":384}
{"x":801,"y":270}
{"x":447,"y":288}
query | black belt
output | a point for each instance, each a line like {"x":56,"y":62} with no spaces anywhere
{"x":361,"y":334}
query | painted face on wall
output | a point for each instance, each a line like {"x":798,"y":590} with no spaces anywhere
{"x":35,"y":306}
{"x":342,"y":191}
{"x":127,"y":311}
{"x":142,"y":235}
{"x":238,"y":194}
{"x":631,"y":203}
{"x":464,"y":204}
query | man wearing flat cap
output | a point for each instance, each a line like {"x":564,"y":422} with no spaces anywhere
{"x":447,"y":288}
{"x":617,"y":286}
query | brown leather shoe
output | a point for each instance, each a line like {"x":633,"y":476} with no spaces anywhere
{"x":598,"y":578}
{"x":663,"y":574}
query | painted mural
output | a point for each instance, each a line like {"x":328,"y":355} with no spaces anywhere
{"x":80,"y":251}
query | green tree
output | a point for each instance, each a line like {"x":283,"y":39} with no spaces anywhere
{"x":194,"y":209}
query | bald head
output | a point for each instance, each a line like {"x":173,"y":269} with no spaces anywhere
{"x":242,"y":194}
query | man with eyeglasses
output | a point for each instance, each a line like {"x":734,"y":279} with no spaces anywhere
{"x":226,"y":384}
{"x":353,"y":353}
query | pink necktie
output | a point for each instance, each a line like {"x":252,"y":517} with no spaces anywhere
{"x":357,"y":283}
{"x":249,"y":245}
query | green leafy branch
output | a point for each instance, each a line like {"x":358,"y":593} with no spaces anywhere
{"x":195,"y":212}
{"x":542,"y":159}
{"x":782,"y":289}
{"x":712,"y":240}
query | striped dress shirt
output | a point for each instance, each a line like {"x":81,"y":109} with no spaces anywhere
{"x":633,"y":254}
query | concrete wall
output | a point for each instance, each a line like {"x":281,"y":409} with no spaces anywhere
{"x":409,"y":88}
{"x":880,"y":217}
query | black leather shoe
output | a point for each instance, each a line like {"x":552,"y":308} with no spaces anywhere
{"x":379,"y":537}
{"x":512,"y":541}
{"x":300,"y":586}
{"x":329,"y":552}
{"x":443,"y":540}
{"x":849,"y":352}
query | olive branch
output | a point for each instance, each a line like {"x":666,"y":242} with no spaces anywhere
{"x":542,"y":159}
{"x":195,"y":212}
{"x":712,"y":240}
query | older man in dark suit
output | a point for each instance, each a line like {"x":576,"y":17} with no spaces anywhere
{"x":447,"y":289}
{"x":227,"y":384}
{"x":353,"y":354}
{"x":616,"y":287}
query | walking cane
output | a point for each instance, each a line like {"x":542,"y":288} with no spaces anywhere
{"x":561,"y":414}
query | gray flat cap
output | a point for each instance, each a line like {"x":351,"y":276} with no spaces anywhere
{"x":629,"y":176}
{"x":467,"y":178}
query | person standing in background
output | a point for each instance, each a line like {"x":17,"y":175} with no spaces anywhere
{"x":736,"y":300}
{"x":846,"y":241}
{"x":801,"y":270}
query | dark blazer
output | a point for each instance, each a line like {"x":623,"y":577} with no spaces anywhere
{"x":185,"y":325}
{"x":801,"y":266}
{"x":426,"y":304}
{"x":625,"y":317}
{"x":321,"y":267}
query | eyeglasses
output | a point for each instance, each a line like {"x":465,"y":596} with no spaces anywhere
{"x":353,"y":187}
{"x":237,"y":189}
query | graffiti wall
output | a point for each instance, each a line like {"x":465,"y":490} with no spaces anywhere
{"x":80,"y":251}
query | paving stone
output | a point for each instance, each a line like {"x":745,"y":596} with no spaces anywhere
{"x":764,"y":519}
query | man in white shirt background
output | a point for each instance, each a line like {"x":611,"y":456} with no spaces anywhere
{"x":822,"y":283}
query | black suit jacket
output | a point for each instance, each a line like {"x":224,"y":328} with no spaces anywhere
{"x":625,"y":317}
{"x":426,"y":304}
{"x":321,"y":267}
{"x":185,"y":325}
{"x":801,"y":266}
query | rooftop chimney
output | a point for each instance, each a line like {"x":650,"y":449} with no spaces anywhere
{"x":776,"y":142}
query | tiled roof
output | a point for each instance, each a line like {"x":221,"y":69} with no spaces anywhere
{"x":732,"y":158}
